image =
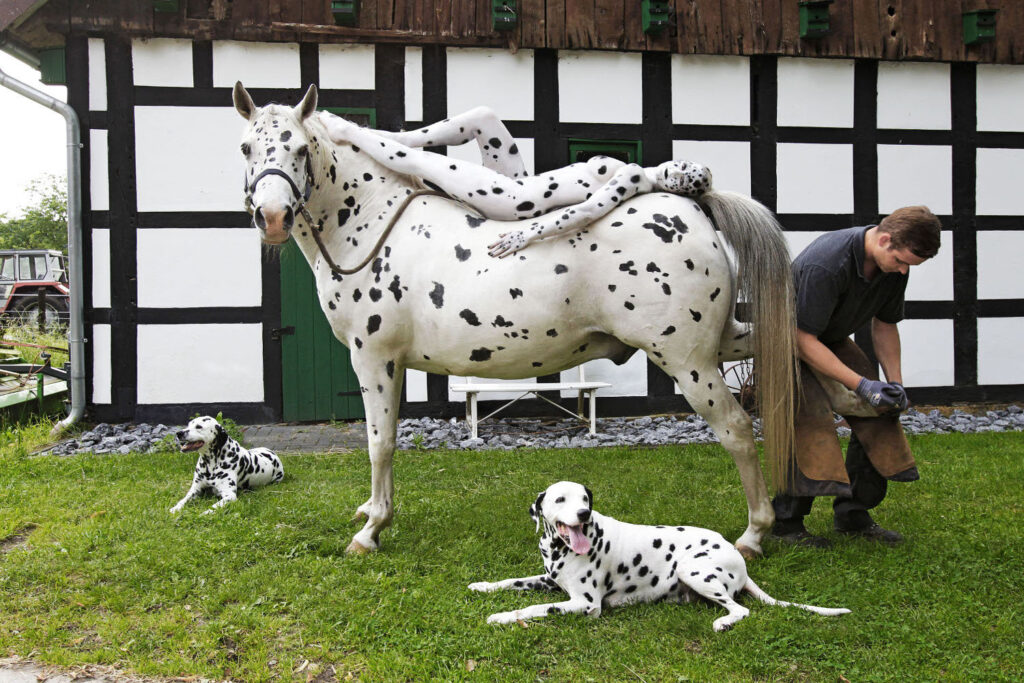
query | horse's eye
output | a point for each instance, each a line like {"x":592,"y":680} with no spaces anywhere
{"x":560,"y":499}
{"x":246,"y":149}
{"x":302,"y":151}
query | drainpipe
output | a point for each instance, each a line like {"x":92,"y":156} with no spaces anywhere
{"x":76,"y":341}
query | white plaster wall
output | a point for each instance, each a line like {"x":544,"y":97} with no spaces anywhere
{"x":599,"y":87}
{"x":1000,"y":265}
{"x":471,"y":152}
{"x":97,"y":75}
{"x":99,"y":171}
{"x":815,"y":92}
{"x":415,"y":386}
{"x":225,"y":263}
{"x":927,"y":352}
{"x":729,"y":161}
{"x":999,"y":357}
{"x":933,"y":279}
{"x":913,"y":95}
{"x":695,"y":76}
{"x":200,"y":363}
{"x":164,"y":62}
{"x":815,"y":178}
{"x":798,"y":241}
{"x":347,"y":67}
{"x":1000,"y":90}
{"x":413,"y":84}
{"x":998,"y":182}
{"x":100,"y":268}
{"x":101,"y":365}
{"x":915,"y":174}
{"x":489,"y":77}
{"x":256,"y":65}
{"x":628,"y":379}
{"x":187,"y":158}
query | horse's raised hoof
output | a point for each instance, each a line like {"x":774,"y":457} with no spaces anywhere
{"x":357,"y":548}
{"x":749,"y":553}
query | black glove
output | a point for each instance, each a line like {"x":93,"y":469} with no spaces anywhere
{"x":896,"y":391}
{"x":878,"y":393}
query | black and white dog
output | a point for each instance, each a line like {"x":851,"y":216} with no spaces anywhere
{"x":600,"y":561}
{"x":224,"y":466}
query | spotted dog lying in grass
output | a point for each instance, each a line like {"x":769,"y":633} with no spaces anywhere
{"x":600,"y":561}
{"x":224,"y":465}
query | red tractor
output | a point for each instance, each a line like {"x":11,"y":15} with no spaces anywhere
{"x":34,"y":280}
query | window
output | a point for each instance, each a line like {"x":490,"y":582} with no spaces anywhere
{"x":627,"y":151}
{"x":32,"y":267}
{"x":6,"y":267}
{"x":59,"y":268}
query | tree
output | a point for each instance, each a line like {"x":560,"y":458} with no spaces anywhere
{"x":45,"y":223}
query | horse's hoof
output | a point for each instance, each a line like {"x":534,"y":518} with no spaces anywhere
{"x":749,"y":553}
{"x":357,"y":548}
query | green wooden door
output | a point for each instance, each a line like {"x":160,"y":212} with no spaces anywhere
{"x":318,"y":382}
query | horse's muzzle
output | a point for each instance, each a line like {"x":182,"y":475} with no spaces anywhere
{"x":276,"y":225}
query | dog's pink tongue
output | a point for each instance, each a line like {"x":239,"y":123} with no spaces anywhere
{"x":579,"y":542}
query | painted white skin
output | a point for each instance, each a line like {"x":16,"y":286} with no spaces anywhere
{"x":224,"y":467}
{"x":602,"y":562}
{"x":502,"y":189}
{"x":650,"y":276}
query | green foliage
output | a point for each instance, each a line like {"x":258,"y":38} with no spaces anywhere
{"x":94,"y":569}
{"x":45,"y":223}
{"x":55,"y":337}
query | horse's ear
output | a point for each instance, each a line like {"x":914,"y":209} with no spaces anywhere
{"x":307,"y":107}
{"x":243,"y":103}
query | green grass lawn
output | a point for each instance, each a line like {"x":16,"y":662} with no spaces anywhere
{"x":95,"y":570}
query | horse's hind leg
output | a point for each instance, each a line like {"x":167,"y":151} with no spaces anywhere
{"x":498,"y":150}
{"x":380,"y":381}
{"x":704,"y":388}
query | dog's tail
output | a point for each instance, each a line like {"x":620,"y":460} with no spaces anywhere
{"x":754,"y":590}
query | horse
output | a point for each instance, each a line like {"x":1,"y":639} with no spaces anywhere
{"x":423,"y":293}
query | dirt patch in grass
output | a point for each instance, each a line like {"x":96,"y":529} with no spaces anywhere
{"x":19,"y":539}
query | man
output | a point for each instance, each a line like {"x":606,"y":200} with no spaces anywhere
{"x":844,"y":280}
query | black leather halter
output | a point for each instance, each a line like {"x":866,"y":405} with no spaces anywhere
{"x":303,"y":196}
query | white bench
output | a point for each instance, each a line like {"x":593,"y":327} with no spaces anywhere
{"x":583,"y":387}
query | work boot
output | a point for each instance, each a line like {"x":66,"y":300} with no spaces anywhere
{"x":799,"y":536}
{"x":874,"y":532}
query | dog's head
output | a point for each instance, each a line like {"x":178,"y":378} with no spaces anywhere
{"x":201,"y":431}
{"x":564,"y":508}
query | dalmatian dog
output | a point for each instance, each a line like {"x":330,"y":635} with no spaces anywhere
{"x":558,"y":201}
{"x":224,"y":466}
{"x":600,"y":561}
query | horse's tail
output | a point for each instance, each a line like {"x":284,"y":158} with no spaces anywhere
{"x":766,"y":286}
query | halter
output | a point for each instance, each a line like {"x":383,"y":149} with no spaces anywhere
{"x":250,"y":188}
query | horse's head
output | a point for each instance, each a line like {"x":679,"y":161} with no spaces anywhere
{"x":279,"y":173}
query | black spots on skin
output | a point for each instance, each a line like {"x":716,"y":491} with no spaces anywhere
{"x":668,"y":330}
{"x":515,"y":293}
{"x":657,"y":543}
{"x":462,"y":254}
{"x":611,"y":288}
{"x":470,"y":317}
{"x":390,"y":367}
{"x":525,"y":206}
{"x":514,"y":149}
{"x":552,"y":332}
{"x":286,"y":136}
{"x":372,"y":324}
{"x":375,"y":294}
{"x":665,"y":288}
{"x":627,"y":267}
{"x":350,"y":201}
{"x":501,"y":322}
{"x":480,"y":355}
{"x":695,"y":375}
{"x":696,"y":315}
{"x":474,"y":221}
{"x":560,"y":269}
{"x":437,"y":295}
{"x":367,"y":177}
{"x":357,"y":295}
{"x":711,"y":403}
{"x":332,"y":305}
{"x":396,"y":288}
{"x":495,"y":143}
{"x":638,"y":559}
{"x":666,"y":228}
{"x":536,"y":364}
{"x":689,"y":264}
{"x":714,"y":294}
{"x":700,"y":554}
{"x":629,"y":305}
{"x":343,"y":215}
{"x":333,"y":173}
{"x":652,"y":267}
{"x":358,"y":342}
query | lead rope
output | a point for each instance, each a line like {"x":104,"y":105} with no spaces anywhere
{"x":380,"y":242}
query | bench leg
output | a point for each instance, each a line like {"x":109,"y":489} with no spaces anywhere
{"x":592,"y":395}
{"x":471,"y":414}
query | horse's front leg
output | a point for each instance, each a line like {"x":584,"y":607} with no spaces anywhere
{"x":380,"y":381}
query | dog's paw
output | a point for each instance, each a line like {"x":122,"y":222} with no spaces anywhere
{"x":483,"y":586}
{"x":210,"y":511}
{"x":503,"y":618}
{"x":176,"y":509}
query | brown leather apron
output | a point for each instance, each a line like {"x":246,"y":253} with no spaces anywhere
{"x":819,"y":456}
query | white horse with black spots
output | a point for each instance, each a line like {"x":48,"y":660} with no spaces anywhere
{"x":650,"y":274}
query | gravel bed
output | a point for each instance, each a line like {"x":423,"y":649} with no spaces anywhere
{"x":508,"y":434}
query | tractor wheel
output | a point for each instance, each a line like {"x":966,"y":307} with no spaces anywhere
{"x":26,"y":310}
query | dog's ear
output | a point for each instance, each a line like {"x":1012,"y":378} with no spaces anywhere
{"x":220,"y":439}
{"x":590,"y":496}
{"x":535,"y":510}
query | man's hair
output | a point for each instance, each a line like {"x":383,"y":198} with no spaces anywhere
{"x":914,"y":228}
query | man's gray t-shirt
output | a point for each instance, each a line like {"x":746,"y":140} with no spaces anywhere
{"x":833,"y":300}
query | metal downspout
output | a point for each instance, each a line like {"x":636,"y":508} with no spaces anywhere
{"x":76,"y":341}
